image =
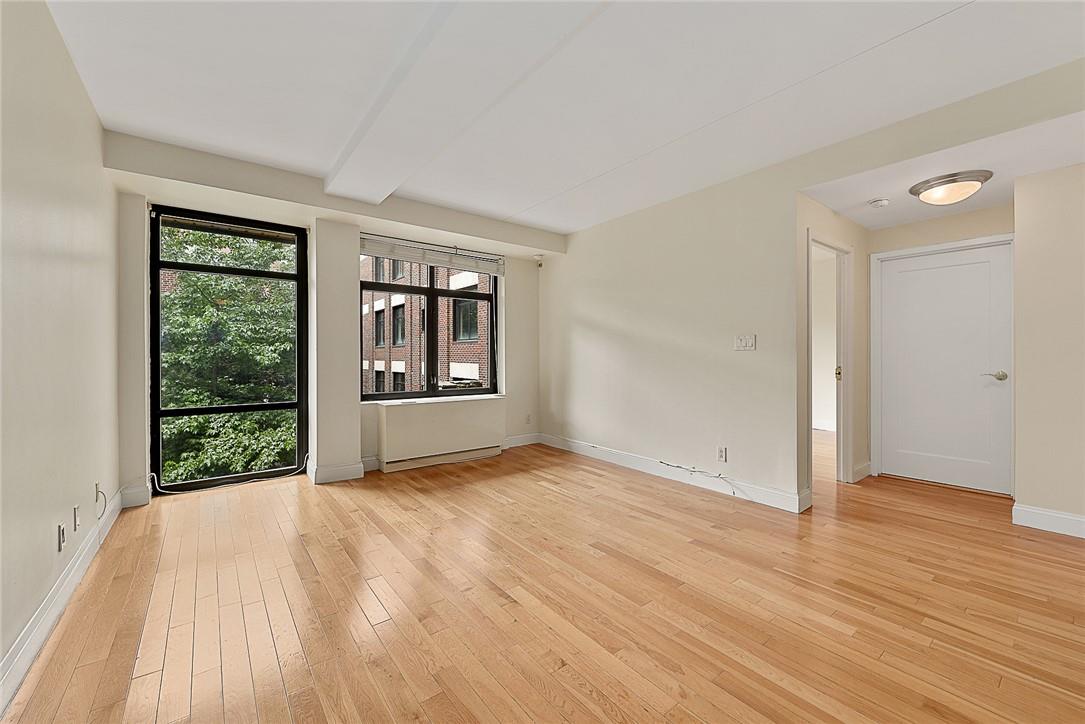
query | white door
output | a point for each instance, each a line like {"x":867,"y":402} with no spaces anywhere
{"x":946,"y":367}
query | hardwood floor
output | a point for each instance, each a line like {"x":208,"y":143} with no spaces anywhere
{"x":546,"y":586}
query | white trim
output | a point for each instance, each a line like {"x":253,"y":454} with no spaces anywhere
{"x":876,"y":329}
{"x":18,"y":659}
{"x":320,"y":474}
{"x":371,"y":463}
{"x":844,"y":425}
{"x":861,"y":471}
{"x":1053,"y":520}
{"x":135,"y":494}
{"x":530,"y":438}
{"x":791,"y":502}
{"x":459,"y":456}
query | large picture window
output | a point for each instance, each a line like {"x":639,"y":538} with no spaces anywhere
{"x":228,"y":371}
{"x":443,"y":326}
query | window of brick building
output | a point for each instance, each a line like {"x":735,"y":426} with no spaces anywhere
{"x":464,"y":320}
{"x":399,"y":325}
{"x":443,"y":325}
{"x":378,"y":328}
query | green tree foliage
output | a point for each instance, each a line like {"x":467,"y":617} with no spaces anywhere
{"x":226,"y":340}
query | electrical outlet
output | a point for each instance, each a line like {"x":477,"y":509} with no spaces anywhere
{"x":528,"y":418}
{"x":745,"y":342}
{"x":62,"y":537}
{"x":721,"y":453}
{"x":75,"y":518}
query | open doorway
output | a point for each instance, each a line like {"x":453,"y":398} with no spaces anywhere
{"x":829,"y":344}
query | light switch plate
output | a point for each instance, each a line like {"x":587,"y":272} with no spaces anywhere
{"x":745,"y":342}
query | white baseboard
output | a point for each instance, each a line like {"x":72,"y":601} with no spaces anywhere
{"x":334,"y":473}
{"x":860,"y":472}
{"x":530,"y":438}
{"x":135,"y":494}
{"x":791,"y":502}
{"x":459,"y":456}
{"x":1053,"y":520}
{"x":18,"y":659}
{"x":371,"y":463}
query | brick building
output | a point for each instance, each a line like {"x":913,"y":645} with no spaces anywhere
{"x":393,"y":329}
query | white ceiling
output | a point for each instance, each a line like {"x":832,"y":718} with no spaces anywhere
{"x":1040,"y":147}
{"x":556,"y":115}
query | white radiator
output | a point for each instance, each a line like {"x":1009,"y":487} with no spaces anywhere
{"x":439,"y":430}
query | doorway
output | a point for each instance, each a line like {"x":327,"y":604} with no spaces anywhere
{"x":227,"y":349}
{"x":942,"y":364}
{"x":829,"y":340}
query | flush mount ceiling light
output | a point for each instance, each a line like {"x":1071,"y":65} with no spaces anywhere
{"x":951,"y":188}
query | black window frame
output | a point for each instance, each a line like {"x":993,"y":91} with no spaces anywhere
{"x":432,"y":295}
{"x":299,"y":276}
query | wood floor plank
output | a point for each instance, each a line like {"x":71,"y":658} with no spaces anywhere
{"x":545,"y":586}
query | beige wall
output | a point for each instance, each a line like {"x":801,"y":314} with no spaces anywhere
{"x":823,"y":342}
{"x":1049,"y":340}
{"x":956,"y":227}
{"x":59,"y":361}
{"x":638,"y":317}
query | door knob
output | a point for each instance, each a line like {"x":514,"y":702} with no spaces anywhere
{"x":1001,"y":375}
{"x":838,"y":373}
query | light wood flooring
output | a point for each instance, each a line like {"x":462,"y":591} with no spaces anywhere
{"x":545,"y":586}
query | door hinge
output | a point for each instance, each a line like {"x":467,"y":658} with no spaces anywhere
{"x":839,"y":373}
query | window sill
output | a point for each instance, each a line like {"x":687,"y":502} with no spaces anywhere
{"x":433,"y":400}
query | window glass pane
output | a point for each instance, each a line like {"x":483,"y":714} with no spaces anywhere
{"x":403,"y":319}
{"x":197,"y":447}
{"x":399,"y":381}
{"x":376,"y":269}
{"x":463,"y":344}
{"x":464,"y":320}
{"x":226,"y":339}
{"x":464,"y":280}
{"x":198,"y":242}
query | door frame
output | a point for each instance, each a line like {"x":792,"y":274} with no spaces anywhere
{"x":876,"y":261}
{"x":844,"y":354}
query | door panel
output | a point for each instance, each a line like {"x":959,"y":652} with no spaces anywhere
{"x":946,"y":320}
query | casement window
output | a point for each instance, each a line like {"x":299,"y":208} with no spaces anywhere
{"x":442,"y":307}
{"x":228,"y":342}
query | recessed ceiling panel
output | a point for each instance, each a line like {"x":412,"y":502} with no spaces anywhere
{"x":1041,"y":147}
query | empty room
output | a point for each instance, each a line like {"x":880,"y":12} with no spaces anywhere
{"x":542,"y":361}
